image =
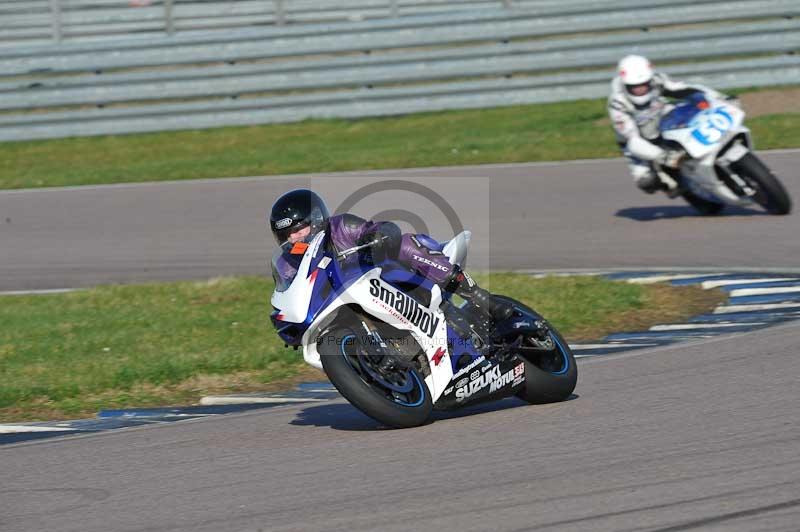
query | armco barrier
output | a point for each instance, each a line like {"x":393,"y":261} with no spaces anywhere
{"x":66,"y":20}
{"x":459,"y":59}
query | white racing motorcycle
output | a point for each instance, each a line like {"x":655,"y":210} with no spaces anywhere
{"x":396,"y":346}
{"x":721,"y":168}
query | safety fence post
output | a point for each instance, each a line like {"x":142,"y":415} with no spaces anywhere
{"x":280,"y":13}
{"x":169,"y":22}
{"x":55,"y":11}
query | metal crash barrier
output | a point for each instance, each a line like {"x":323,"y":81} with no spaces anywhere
{"x":188,"y":65}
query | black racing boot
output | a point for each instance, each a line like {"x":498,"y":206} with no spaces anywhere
{"x":498,"y":309}
{"x":652,"y":185}
{"x":461,"y":284}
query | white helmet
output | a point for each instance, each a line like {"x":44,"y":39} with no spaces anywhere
{"x":636,"y":74}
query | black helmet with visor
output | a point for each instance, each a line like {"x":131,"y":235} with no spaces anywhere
{"x":295,"y":211}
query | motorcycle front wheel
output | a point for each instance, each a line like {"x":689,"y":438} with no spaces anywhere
{"x":770,"y":193}
{"x":398,"y":398}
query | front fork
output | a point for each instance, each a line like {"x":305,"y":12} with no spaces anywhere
{"x":386,"y":357}
{"x":734,"y":181}
{"x":673,"y":188}
{"x":722,"y":167}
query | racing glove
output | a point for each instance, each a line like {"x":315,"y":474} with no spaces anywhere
{"x":386,"y":240}
{"x":671,"y":158}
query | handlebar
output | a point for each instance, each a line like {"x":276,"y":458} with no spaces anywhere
{"x":347,"y":252}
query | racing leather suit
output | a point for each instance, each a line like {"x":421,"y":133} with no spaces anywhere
{"x":417,"y":252}
{"x":637,"y":128}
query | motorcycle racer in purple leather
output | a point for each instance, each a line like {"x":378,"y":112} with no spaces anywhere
{"x":298,"y":215}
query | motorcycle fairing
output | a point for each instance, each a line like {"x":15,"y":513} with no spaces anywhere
{"x":295,"y":301}
{"x":483,"y":380}
{"x":708,"y":131}
{"x":300,"y":308}
{"x":321,"y":290}
{"x":456,"y":249}
{"x":432,"y":340}
{"x":700,"y":126}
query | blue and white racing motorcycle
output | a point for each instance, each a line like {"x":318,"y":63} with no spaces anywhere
{"x":721,"y":168}
{"x":352,"y":317}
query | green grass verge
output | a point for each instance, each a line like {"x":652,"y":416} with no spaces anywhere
{"x":556,"y":131}
{"x":70,"y":355}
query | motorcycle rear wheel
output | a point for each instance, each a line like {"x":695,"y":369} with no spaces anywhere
{"x":770,"y":193}
{"x":553,"y":377}
{"x":345,"y":358}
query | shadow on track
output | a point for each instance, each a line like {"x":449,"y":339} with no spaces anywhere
{"x":649,"y":214}
{"x":343,"y":416}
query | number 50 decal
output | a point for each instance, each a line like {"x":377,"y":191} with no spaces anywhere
{"x":711,"y":125}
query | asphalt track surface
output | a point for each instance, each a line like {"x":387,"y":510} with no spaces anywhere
{"x":697,"y":436}
{"x":692,"y":437}
{"x":542,"y":216}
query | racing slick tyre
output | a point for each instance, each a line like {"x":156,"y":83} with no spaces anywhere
{"x":552,"y":377}
{"x":399,"y":398}
{"x":703,"y":206}
{"x":770,"y":193}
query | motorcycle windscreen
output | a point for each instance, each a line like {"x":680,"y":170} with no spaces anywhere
{"x":284,"y":268}
{"x":679,"y":117}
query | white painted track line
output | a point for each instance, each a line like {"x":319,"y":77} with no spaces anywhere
{"x":222,"y":400}
{"x":765,"y":291}
{"x":583,"y":347}
{"x":37,"y":292}
{"x":690,"y":326}
{"x":727,"y":309}
{"x":728,"y":282}
{"x":12,"y":429}
{"x":652,"y":279}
